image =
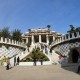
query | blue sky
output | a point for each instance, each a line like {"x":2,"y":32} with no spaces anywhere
{"x":26,"y":14}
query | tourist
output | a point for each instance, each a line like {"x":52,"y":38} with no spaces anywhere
{"x":18,"y":59}
{"x":28,"y":49}
{"x":78,"y":65}
{"x":14,"y":60}
{"x":4,"y":60}
{"x":8,"y":64}
{"x":41,"y":60}
{"x":34,"y":60}
{"x":60,"y":59}
{"x":46,"y":51}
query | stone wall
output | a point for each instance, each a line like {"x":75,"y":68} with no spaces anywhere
{"x":10,"y":51}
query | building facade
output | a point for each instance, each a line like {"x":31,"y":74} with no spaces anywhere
{"x":40,"y":36}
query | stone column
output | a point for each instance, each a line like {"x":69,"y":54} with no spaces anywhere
{"x":65,"y":37}
{"x":12,"y":41}
{"x":27,"y":40}
{"x":32,"y":39}
{"x":73,"y":35}
{"x":5,"y":40}
{"x":9,"y":41}
{"x":47,"y":39}
{"x":39,"y":38}
{"x":1,"y":39}
{"x":77,"y":34}
{"x":68,"y":36}
{"x":15,"y":42}
{"x":53,"y":38}
{"x":62,"y":38}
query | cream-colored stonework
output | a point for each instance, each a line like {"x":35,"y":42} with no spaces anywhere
{"x":40,"y":36}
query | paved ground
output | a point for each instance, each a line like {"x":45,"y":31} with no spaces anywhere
{"x":50,"y":72}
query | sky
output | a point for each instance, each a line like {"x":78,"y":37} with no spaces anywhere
{"x":34,"y":14}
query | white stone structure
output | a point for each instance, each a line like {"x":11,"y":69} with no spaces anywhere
{"x":68,"y":45}
{"x":10,"y":48}
{"x":40,"y":36}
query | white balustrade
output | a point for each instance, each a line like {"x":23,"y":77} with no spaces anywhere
{"x":73,"y":35}
{"x":68,"y":36}
{"x":5,"y":40}
{"x":60,"y":39}
{"x":77,"y":34}
{"x":64,"y":38}
{"x":15,"y":42}
{"x":12,"y":42}
{"x":1,"y":39}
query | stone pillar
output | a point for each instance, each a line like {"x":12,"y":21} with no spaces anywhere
{"x":47,"y":39}
{"x":1,"y":39}
{"x":62,"y":38}
{"x":68,"y":36}
{"x":32,"y":39}
{"x":9,"y":41}
{"x":15,"y":42}
{"x":77,"y":34}
{"x":5,"y":40}
{"x":12,"y":41}
{"x":27,"y":40}
{"x":39,"y":38}
{"x":73,"y":35}
{"x":65,"y":37}
{"x":53,"y":38}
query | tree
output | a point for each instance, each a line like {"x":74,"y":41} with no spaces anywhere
{"x":72,"y":29}
{"x":5,"y":32}
{"x":77,"y":29}
{"x":17,"y":35}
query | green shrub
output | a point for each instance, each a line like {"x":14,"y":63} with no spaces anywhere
{"x":37,"y":53}
{"x":7,"y":46}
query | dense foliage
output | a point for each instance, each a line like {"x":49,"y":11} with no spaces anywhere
{"x":73,"y":29}
{"x":37,"y":53}
{"x":5,"y":32}
{"x":15,"y":34}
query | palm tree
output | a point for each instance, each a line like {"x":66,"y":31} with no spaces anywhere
{"x":72,"y":29}
{"x":77,"y":29}
{"x":17,"y":35}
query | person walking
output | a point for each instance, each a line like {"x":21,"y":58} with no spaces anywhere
{"x":78,"y":65}
{"x":41,"y":60}
{"x":14,"y":60}
{"x":4,"y":60}
{"x":18,"y":59}
{"x":8,"y":64}
{"x":34,"y":60}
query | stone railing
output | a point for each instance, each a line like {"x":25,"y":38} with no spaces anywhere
{"x":11,"y":42}
{"x":65,"y":38}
